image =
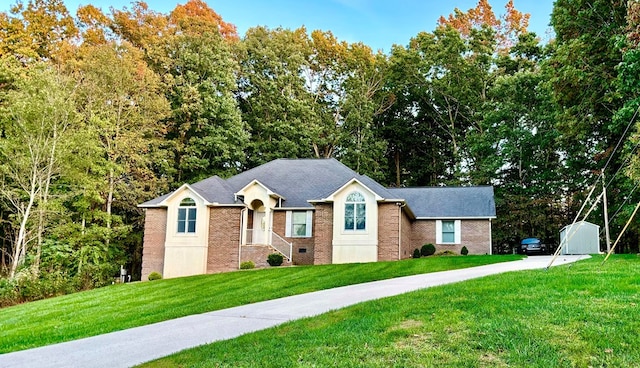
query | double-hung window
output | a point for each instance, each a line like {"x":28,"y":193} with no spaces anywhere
{"x":448,"y":232}
{"x":355,"y":212}
{"x":298,"y":224}
{"x":187,"y":216}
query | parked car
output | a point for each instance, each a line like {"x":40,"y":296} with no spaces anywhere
{"x":532,"y":246}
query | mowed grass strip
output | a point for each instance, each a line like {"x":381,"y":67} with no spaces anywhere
{"x":124,"y":306}
{"x":582,"y":315}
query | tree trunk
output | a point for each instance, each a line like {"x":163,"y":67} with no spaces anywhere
{"x":20,"y":248}
{"x":396,"y":158}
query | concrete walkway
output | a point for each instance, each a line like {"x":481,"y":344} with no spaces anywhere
{"x":142,"y":344}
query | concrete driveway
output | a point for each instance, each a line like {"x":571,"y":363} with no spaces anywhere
{"x":142,"y":344}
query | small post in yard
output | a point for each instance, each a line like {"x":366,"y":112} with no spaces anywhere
{"x":123,"y":274}
{"x":606,"y":214}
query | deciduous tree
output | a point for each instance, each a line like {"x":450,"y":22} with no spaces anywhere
{"x":37,"y":115}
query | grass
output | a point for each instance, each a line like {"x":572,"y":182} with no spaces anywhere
{"x":130,"y":305}
{"x":582,"y":315}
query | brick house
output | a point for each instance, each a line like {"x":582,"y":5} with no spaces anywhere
{"x":313,"y":211}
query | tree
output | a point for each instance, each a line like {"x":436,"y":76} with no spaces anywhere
{"x":205,"y":125}
{"x":281,"y":113}
{"x":584,"y":80}
{"x":196,"y":17}
{"x":122,"y":107}
{"x":584,"y":63}
{"x":39,"y":30}
{"x":36,"y":118}
{"x":628,"y":83}
{"x":507,"y":28}
{"x":440,"y":84}
{"x":346,"y":83}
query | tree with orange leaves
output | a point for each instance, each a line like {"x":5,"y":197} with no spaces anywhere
{"x":197,"y":17}
{"x":39,"y":29}
{"x":144,"y":27}
{"x":508,"y":27}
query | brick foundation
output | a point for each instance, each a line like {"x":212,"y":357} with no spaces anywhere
{"x":258,"y":254}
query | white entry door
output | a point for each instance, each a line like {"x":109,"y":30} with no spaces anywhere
{"x":259,"y":225}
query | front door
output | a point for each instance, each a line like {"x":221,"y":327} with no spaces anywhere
{"x":259,"y":225}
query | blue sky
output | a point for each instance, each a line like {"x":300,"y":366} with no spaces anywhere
{"x":377,"y":23}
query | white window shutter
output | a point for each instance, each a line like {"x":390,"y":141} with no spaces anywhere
{"x":438,"y":231}
{"x":309,"y":223}
{"x":287,"y":226}
{"x":458,"y":234}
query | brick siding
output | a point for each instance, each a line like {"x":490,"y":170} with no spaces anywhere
{"x":422,"y":232}
{"x":258,"y":254}
{"x":323,"y":229}
{"x":297,"y":258}
{"x":155,"y":232}
{"x":406,"y":247}
{"x":388,"y":231}
{"x":224,"y":239}
{"x":475,"y":235}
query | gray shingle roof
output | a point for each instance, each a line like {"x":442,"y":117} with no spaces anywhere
{"x":302,"y":180}
{"x":449,"y":202}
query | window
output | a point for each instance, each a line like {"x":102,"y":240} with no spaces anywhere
{"x":187,"y":216}
{"x":355,"y":212}
{"x":298,"y":224}
{"x":448,"y":232}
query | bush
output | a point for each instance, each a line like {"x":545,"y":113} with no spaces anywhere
{"x":96,"y":275}
{"x":416,"y":253}
{"x":30,"y":285}
{"x":275,"y":259}
{"x":155,"y":276}
{"x":464,"y":251}
{"x":247,"y":265}
{"x":428,"y":249}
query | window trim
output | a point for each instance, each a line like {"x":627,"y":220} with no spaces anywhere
{"x":457,"y":225}
{"x":289,"y":233}
{"x":188,"y":207}
{"x":354,"y":202}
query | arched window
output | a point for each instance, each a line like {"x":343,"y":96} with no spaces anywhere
{"x":187,"y":216}
{"x":355,"y":212}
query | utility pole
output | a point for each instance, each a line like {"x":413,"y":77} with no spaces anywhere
{"x":606,"y":214}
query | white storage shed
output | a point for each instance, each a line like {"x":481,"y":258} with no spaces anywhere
{"x":581,"y":238}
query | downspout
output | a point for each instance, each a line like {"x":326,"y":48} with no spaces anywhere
{"x":400,"y":205}
{"x":490,"y":239}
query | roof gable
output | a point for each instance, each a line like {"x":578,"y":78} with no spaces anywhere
{"x":165,"y":199}
{"x":347,"y":184}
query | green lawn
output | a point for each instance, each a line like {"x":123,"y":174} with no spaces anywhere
{"x":582,"y":315}
{"x":130,"y":305}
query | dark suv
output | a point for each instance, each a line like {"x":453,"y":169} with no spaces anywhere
{"x":532,"y":245}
